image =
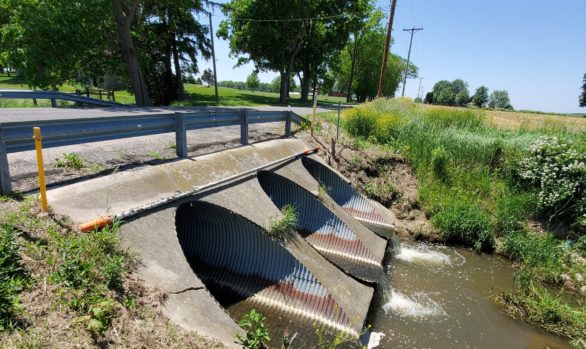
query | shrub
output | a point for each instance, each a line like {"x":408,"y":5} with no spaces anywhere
{"x":558,"y":171}
{"x":466,"y":225}
{"x":360,"y":122}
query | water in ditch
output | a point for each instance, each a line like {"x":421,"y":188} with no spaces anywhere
{"x":441,"y":297}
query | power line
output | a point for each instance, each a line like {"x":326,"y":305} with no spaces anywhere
{"x":296,"y":19}
{"x":412,"y":30}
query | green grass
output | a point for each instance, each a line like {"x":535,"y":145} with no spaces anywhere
{"x":58,"y":286}
{"x":13,"y":277}
{"x":197,"y":95}
{"x":469,"y":186}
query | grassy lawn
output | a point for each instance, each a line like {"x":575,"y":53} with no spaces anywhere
{"x":197,"y":95}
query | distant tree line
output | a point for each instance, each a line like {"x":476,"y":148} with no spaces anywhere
{"x":252,"y":83}
{"x":455,"y":93}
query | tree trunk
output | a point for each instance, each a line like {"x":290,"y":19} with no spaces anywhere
{"x":284,"y":84}
{"x":352,"y":68}
{"x":123,"y":22}
{"x":305,"y":83}
{"x":178,"y":73}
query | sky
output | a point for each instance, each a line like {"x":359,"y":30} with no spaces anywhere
{"x":534,"y":49}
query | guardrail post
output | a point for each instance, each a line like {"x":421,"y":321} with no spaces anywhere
{"x":5,"y":185}
{"x":53,"y":103}
{"x":180,"y":135}
{"x":244,"y":127}
{"x":288,"y":125}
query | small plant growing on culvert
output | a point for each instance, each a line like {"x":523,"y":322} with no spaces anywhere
{"x":284,"y":228}
{"x":70,"y":161}
{"x":256,"y":334}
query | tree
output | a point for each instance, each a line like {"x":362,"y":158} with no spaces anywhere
{"x":443,"y":93}
{"x":582,"y":100}
{"x":355,"y":67}
{"x":428,"y":98}
{"x":153,"y":41}
{"x":461,"y":95}
{"x":49,"y":43}
{"x":275,"y":45}
{"x":252,"y":81}
{"x":208,"y":77}
{"x":124,"y":15}
{"x":356,"y":45}
{"x":499,"y":99}
{"x":276,"y":84}
{"x":169,"y":41}
{"x":480,"y":97}
{"x":453,"y":93}
{"x":326,"y":38}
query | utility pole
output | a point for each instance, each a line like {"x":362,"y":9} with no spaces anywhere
{"x":383,"y":69}
{"x":412,"y":30}
{"x":213,"y":55}
{"x":419,"y":88}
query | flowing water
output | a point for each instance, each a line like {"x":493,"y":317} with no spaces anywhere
{"x":440,"y":297}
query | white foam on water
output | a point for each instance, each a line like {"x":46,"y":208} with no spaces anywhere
{"x":418,"y":305}
{"x":422,"y":254}
{"x":374,"y":340}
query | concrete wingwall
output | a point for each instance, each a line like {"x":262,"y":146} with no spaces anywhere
{"x":211,"y":250}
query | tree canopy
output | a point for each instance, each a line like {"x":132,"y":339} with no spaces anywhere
{"x":51,"y":42}
{"x":480,"y":97}
{"x":353,"y":69}
{"x":150,"y":42}
{"x":288,"y":36}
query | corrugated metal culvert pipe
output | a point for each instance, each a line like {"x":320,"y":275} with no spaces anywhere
{"x":348,"y":198}
{"x":322,"y":229}
{"x":245,"y":269}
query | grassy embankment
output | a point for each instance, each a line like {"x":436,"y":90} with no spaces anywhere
{"x":485,"y":179}
{"x":62,"y":288}
{"x":197,"y":95}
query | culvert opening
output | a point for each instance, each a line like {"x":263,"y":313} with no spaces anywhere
{"x":348,"y":198}
{"x":244,"y":269}
{"x":321,"y":228}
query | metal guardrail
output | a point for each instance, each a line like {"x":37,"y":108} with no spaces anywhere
{"x":55,"y":95}
{"x":17,"y":136}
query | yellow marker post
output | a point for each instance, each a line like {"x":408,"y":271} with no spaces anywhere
{"x":42,"y":185}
